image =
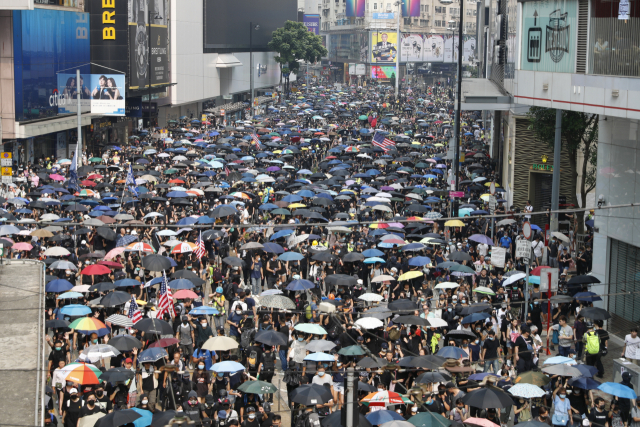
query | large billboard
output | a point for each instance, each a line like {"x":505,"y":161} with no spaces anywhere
{"x":411,"y":8}
{"x":101,"y":94}
{"x":451,"y":49}
{"x":384,"y":46}
{"x":549,"y":31}
{"x":109,"y":36}
{"x":355,"y":8}
{"x":433,"y":48}
{"x":148,"y":43}
{"x":227,"y":23}
{"x":45,"y":42}
{"x":411,"y":48}
{"x":312,"y":22}
{"x":382,"y":72}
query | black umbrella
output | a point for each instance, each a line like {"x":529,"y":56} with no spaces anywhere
{"x":161,"y":419}
{"x":412,"y":320}
{"x":402,"y":304}
{"x":102,"y":287}
{"x":156,"y":262}
{"x":366,"y":387}
{"x":233,"y":261}
{"x":311,"y":394}
{"x":379,"y":313}
{"x":325,"y":256}
{"x":595,"y":313}
{"x":154,"y":326}
{"x":117,"y":374}
{"x":271,"y":337}
{"x":353,"y":257}
{"x":125,"y":342}
{"x":557,"y":299}
{"x":433,"y":377}
{"x":340,"y":280}
{"x":222,"y":211}
{"x":57,"y":323}
{"x":459,"y":256}
{"x":487,"y":398}
{"x":475,"y":308}
{"x":115,"y":298}
{"x":372,"y":362}
{"x":184,"y":274}
{"x":460,"y":335}
{"x":582,"y":280}
{"x":118,"y":418}
{"x":106,"y":233}
{"x":428,"y":362}
{"x":335,"y":419}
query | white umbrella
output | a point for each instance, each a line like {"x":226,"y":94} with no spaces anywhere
{"x":100,"y":351}
{"x":63,"y":265}
{"x":56,"y":251}
{"x":526,"y":390}
{"x":369,"y":322}
{"x":382,"y":208}
{"x":49,"y":217}
{"x":80,"y":288}
{"x":560,"y":236}
{"x":327,"y":307}
{"x":220,"y":344}
{"x":371,"y":297}
{"x":513,"y":278}
{"x":437,"y":322}
{"x":294,"y":240}
{"x":93,"y":221}
{"x":447,"y":285}
{"x":382,"y":278}
{"x":124,"y":217}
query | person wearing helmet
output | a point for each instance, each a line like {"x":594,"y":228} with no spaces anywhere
{"x":315,"y":243}
{"x":217,"y":302}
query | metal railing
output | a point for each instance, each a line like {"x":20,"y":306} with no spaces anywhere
{"x":614,"y":47}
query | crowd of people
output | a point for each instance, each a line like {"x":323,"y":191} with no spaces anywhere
{"x":200,"y":271}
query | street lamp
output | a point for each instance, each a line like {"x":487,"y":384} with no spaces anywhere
{"x":252,"y":28}
{"x":398,"y":4}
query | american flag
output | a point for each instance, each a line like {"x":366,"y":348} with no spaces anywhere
{"x":226,"y":171}
{"x":380,"y":141}
{"x":199,"y":252}
{"x":256,"y":141}
{"x":134,"y":311}
{"x":165,"y":302}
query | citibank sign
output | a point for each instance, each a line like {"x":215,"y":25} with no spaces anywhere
{"x":57,"y":99}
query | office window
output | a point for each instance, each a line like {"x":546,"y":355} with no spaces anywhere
{"x":389,"y":6}
{"x":375,"y":6}
{"x":439,"y":9}
{"x":426,"y":8}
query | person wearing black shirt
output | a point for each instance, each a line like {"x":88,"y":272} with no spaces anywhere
{"x":491,"y":351}
{"x":523,"y":351}
{"x":102,"y":399}
{"x":598,"y":415}
{"x":433,"y":405}
{"x":90,"y":406}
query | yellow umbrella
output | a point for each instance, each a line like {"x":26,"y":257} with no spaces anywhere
{"x":454,"y":223}
{"x":296,"y":205}
{"x":486,"y":184}
{"x":485,"y":197}
{"x":277,"y":152}
{"x":410,"y":275}
{"x":435,"y":145}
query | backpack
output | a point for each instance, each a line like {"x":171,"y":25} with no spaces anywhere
{"x":247,"y":338}
{"x":593,"y":343}
{"x":227,"y":291}
{"x":252,"y":360}
{"x":268,"y":366}
{"x":394,"y":334}
{"x":313,"y":420}
{"x":216,"y":275}
{"x":292,"y":377}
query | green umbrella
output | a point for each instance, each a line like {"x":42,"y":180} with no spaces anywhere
{"x":95,"y":159}
{"x":352,"y":350}
{"x":462,"y":269}
{"x":281,"y":211}
{"x":170,"y":171}
{"x":429,"y":419}
{"x":310,"y":328}
{"x":258,"y":387}
{"x":362,"y":117}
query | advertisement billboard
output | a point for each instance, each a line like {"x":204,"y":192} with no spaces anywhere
{"x":361,"y":69}
{"x":145,"y":61}
{"x":101,"y":94}
{"x":355,"y":8}
{"x":46,"y":41}
{"x":382,"y":72}
{"x":411,"y":8}
{"x":226,"y":23}
{"x":352,"y":69}
{"x":469,"y":50}
{"x":411,"y":48}
{"x":549,"y":31}
{"x":433,"y":48}
{"x":109,"y":36}
{"x":384,"y":47}
{"x":312,"y":22}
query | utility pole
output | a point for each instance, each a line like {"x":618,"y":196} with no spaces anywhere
{"x":350,"y":415}
{"x":78,"y":96}
{"x":456,"y":135}
{"x":398,"y":3}
{"x":555,"y":186}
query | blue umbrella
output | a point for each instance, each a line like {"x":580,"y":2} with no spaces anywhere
{"x":305,"y":193}
{"x":481,"y":376}
{"x":557,"y":360}
{"x":413,"y":247}
{"x":154,"y":281}
{"x":586,"y":370}
{"x":274,"y":248}
{"x":58,"y":285}
{"x":618,"y":390}
{"x":123,"y":283}
{"x":584,"y":383}
{"x":281,"y":233}
{"x":372,"y":253}
{"x":380,"y":417}
{"x":146,"y":418}
{"x":373,"y":260}
{"x":75,"y":310}
{"x":474,"y":317}
{"x":204,"y":310}
{"x":187,"y":221}
{"x":152,"y":354}
{"x":292,"y":198}
{"x":291,"y":256}
{"x":419,"y":261}
{"x":449,"y":352}
{"x":227,"y":366}
{"x":181,"y":284}
{"x":589,"y":223}
{"x":481,"y":238}
{"x":587,"y":296}
{"x":268,"y":207}
{"x":300,"y":285}
{"x":125,"y":240}
{"x":319,"y":357}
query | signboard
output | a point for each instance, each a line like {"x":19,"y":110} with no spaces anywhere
{"x":109,"y":36}
{"x":433,"y":48}
{"x":352,"y":69}
{"x":361,"y":69}
{"x":549,"y":33}
{"x":411,"y":47}
{"x":523,"y":250}
{"x":384,"y":47}
{"x":623,"y":9}
{"x":544,"y":279}
{"x":493,"y":201}
{"x":384,"y":15}
{"x":7,"y":173}
{"x":411,"y":8}
{"x":378,"y":72}
{"x":5,"y":159}
{"x":498,"y":256}
{"x":144,"y":35}
{"x":492,"y":188}
{"x":312,"y":22}
{"x":355,"y":8}
{"x":101,"y":94}
{"x":526,"y":230}
{"x":456,"y":193}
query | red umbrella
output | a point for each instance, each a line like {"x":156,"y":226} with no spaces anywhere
{"x":164,"y":342}
{"x":88,"y":183}
{"x":176,"y":181}
{"x":95,"y":176}
{"x":106,"y":219}
{"x":111,"y":264}
{"x":185,"y":293}
{"x":95,"y":269}
{"x":536,"y":271}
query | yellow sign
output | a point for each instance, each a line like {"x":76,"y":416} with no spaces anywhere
{"x":7,"y":171}
{"x":384,"y":46}
{"x":204,"y":118}
{"x":5,"y":155}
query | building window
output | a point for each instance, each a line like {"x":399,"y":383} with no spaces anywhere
{"x":426,"y":8}
{"x":439,"y":9}
{"x":375,"y":6}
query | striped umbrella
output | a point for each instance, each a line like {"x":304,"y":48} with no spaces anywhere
{"x":87,"y":324}
{"x":140,"y":247}
{"x":184,"y":247}
{"x":81,"y":373}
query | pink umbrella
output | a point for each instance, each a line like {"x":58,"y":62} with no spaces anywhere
{"x":113,"y":253}
{"x":22,"y":246}
{"x":395,"y":224}
{"x":56,"y":177}
{"x":480,"y":422}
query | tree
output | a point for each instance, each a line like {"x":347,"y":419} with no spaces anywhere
{"x":294,"y":43}
{"x":579,"y":134}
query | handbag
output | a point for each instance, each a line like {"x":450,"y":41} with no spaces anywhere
{"x":554,"y":337}
{"x":559,"y":419}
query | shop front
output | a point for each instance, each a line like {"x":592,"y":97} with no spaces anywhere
{"x":109,"y":131}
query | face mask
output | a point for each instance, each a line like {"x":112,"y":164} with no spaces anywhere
{"x":339,"y":364}
{"x":300,"y":339}
{"x":144,"y":402}
{"x":448,"y":309}
{"x":477,"y":341}
{"x":429,"y":402}
{"x":491,"y":338}
{"x":569,"y":391}
{"x":463,"y":301}
{"x":94,"y":341}
{"x":536,"y":303}
{"x":58,"y":348}
{"x":238,"y":313}
{"x":92,"y":402}
{"x":252,"y":416}
{"x":200,"y":366}
{"x":465,"y":345}
{"x":380,"y":389}
{"x":478,"y":329}
{"x":204,"y":325}
{"x":320,"y":373}
{"x":184,"y":323}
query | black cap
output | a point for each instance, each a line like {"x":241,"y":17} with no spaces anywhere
{"x":450,"y":385}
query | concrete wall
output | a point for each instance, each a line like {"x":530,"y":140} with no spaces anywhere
{"x":7,"y":95}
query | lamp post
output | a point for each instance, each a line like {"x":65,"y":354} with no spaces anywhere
{"x":252,"y":28}
{"x":398,"y":4}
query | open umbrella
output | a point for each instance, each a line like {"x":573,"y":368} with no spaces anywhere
{"x":227,"y":366}
{"x":482,"y":422}
{"x":118,"y":418}
{"x":532,"y":377}
{"x":619,"y":390}
{"x":562,"y":370}
{"x":220,"y":343}
{"x":258,"y":387}
{"x":117,"y":374}
{"x":383,"y":416}
{"x":430,"y":419}
{"x":527,"y":391}
{"x":126,"y":342}
{"x":271,"y":337}
{"x":335,"y":419}
{"x":487,"y":398}
{"x":310,"y":394}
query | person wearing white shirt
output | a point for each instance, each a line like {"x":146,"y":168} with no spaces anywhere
{"x":537,"y":247}
{"x":631,"y":350}
{"x":528,"y":209}
{"x":483,"y":249}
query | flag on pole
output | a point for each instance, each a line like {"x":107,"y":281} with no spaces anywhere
{"x":131,"y":181}
{"x":256,"y":141}
{"x":380,"y":141}
{"x":226,"y":171}
{"x":134,"y":311}
{"x":165,"y":302}
{"x":200,"y":251}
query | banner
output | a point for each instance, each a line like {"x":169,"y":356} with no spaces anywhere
{"x":312,"y":22}
{"x":148,"y":44}
{"x":433,"y":49}
{"x":411,"y":48}
{"x":384,"y":47}
{"x":355,"y":8}
{"x":378,"y":72}
{"x":104,"y":94}
{"x":469,"y":50}
{"x":411,"y":8}
{"x":450,"y":48}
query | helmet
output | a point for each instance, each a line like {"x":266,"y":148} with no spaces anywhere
{"x":219,"y":289}
{"x":315,"y":243}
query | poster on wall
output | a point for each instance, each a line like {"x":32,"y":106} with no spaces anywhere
{"x":450,"y":48}
{"x":355,"y":8}
{"x":312,"y":22}
{"x":411,"y":8}
{"x":101,"y":94}
{"x":549,"y":36}
{"x":384,"y":47}
{"x":65,"y":96}
{"x":469,"y":50}
{"x":382,"y":72}
{"x":148,"y":44}
{"x":433,"y":49}
{"x":411,"y":47}
{"x":61,"y":145}
{"x":352,"y":69}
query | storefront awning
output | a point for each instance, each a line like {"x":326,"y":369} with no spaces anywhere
{"x":43,"y":127}
{"x":227,"y":60}
{"x":483,"y":94}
